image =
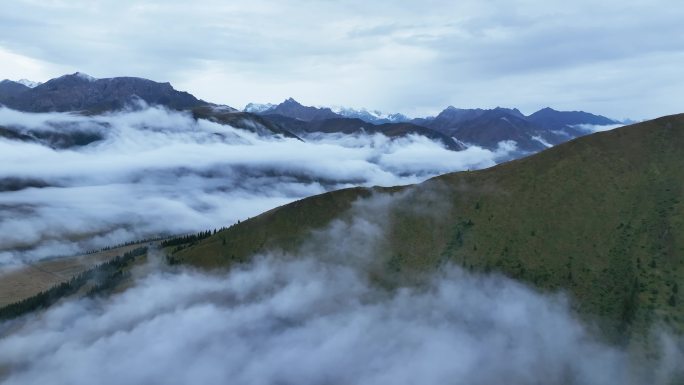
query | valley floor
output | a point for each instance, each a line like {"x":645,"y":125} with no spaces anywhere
{"x":33,"y":278}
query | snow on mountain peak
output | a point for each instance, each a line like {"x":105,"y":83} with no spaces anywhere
{"x":79,"y":75}
{"x":368,"y":115}
{"x":85,"y":76}
{"x":258,"y":107}
{"x":371,"y":116}
{"x":29,"y":83}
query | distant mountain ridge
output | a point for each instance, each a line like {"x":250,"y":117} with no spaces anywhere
{"x":486,"y":128}
{"x":293,"y":109}
{"x":350,"y":126}
{"x":557,"y":119}
{"x":85,"y":94}
{"x":80,"y":92}
{"x":374,"y":116}
{"x":540,"y":130}
{"x":452,"y":116}
{"x":482,"y":127}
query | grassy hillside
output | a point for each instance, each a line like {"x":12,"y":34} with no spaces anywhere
{"x":111,"y":275}
{"x":601,"y":217}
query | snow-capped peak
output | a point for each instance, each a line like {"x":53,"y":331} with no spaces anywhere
{"x":347,"y":110}
{"x":368,"y":115}
{"x":79,"y":75}
{"x":258,"y":107}
{"x":29,"y":83}
{"x":85,"y":76}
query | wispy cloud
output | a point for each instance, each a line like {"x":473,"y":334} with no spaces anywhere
{"x":598,"y":128}
{"x":160,"y":172}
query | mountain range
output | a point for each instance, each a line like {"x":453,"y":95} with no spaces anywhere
{"x":482,"y":127}
{"x":294,"y":109}
{"x":79,"y":92}
{"x":455,"y":128}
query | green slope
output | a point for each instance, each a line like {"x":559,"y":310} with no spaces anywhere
{"x":600,"y":217}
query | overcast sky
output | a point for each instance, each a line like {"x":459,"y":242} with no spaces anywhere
{"x":620,"y":58}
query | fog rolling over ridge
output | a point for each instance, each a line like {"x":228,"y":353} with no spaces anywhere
{"x":148,"y":171}
{"x":415,"y":192}
{"x":317,"y":317}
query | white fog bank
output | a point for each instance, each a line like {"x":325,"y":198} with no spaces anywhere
{"x":157,"y":172}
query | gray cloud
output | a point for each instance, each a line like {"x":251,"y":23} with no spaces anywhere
{"x":307,"y":323}
{"x":158,"y":172}
{"x":591,"y":128}
{"x":412,"y":57}
{"x":315,"y":318}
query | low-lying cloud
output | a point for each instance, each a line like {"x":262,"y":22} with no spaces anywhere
{"x":306,"y":323}
{"x":157,"y":172}
{"x":315,"y":317}
{"x":309,"y":322}
{"x":592,"y":128}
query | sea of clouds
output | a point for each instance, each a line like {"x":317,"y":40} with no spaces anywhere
{"x":315,"y":317}
{"x":158,"y":172}
{"x":309,"y":317}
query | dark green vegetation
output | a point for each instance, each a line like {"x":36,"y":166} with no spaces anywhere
{"x":184,"y":239}
{"x":600,"y":217}
{"x":99,"y":279}
{"x":176,"y":244}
